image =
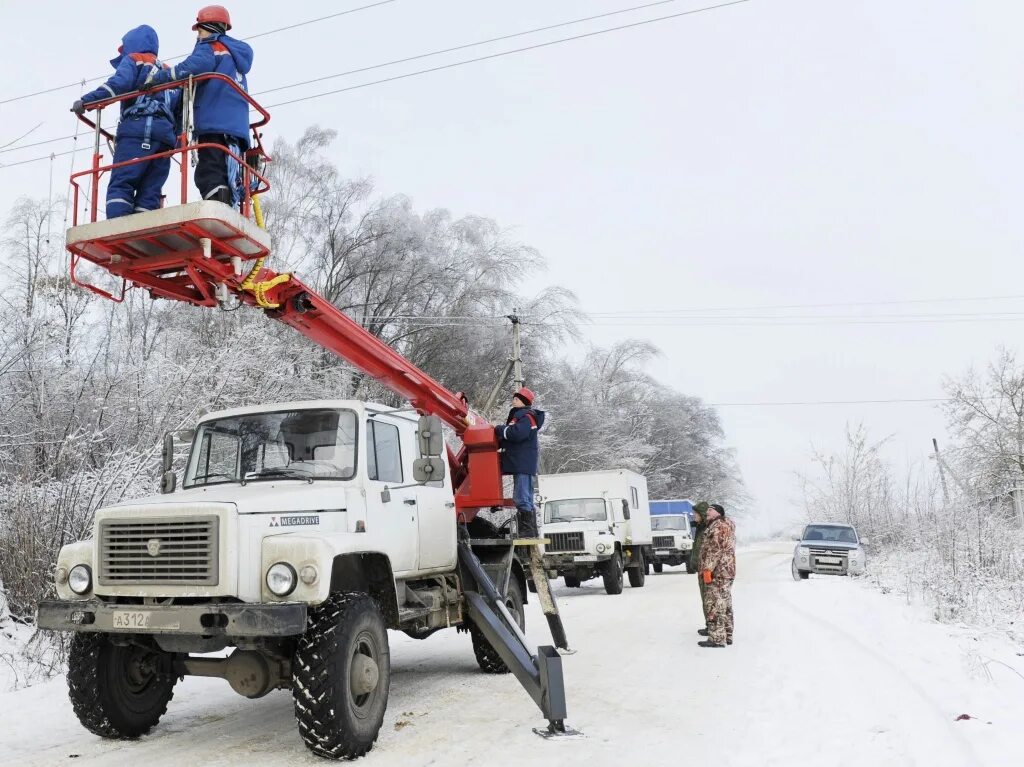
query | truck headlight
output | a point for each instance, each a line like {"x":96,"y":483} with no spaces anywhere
{"x":601,"y":548}
{"x":281,"y":579}
{"x":80,"y":579}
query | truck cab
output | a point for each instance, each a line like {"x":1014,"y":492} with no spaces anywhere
{"x":596,"y":524}
{"x":671,"y":541}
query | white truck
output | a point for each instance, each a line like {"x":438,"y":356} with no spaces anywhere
{"x":303,"y":531}
{"x":597,"y":523}
{"x":672,"y":541}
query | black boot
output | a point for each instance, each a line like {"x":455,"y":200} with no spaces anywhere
{"x":527,"y":520}
{"x":702,"y":632}
{"x":709,"y":643}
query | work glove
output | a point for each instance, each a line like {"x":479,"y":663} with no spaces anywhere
{"x":157,"y":78}
{"x":78,"y":107}
{"x":706,"y":575}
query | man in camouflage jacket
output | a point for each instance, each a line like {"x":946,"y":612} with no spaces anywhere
{"x":700,"y":511}
{"x":717,"y":570}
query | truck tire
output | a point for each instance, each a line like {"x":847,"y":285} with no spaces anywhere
{"x":117,"y":691}
{"x":638,"y":574}
{"x":658,"y":567}
{"x":612,"y":574}
{"x":691,"y":569}
{"x":341,"y":672}
{"x":572,"y":582}
{"x":486,"y":656}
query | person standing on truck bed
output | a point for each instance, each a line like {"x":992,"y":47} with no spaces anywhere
{"x":221,"y":113}
{"x":520,"y":456}
{"x":718,"y":570}
{"x":700,"y":512}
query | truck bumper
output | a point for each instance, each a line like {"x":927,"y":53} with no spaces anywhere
{"x":572,"y":562}
{"x":215,"y":619}
{"x":672,"y":557}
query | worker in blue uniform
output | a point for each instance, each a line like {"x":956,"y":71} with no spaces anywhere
{"x":147,"y":127}
{"x":221,"y":113}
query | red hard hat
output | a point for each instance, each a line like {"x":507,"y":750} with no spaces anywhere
{"x":525,"y":395}
{"x":212,"y":14}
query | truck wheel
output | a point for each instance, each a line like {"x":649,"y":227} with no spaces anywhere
{"x":798,"y":575}
{"x":340,"y":676}
{"x":638,"y":574}
{"x":117,"y":691}
{"x":691,"y":569}
{"x":658,"y":567}
{"x":486,"y":656}
{"x":572,"y":582}
{"x":612,"y":574}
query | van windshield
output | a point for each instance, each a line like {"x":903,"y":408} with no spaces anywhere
{"x":576,"y":509}
{"x":670,"y":523}
{"x":290,"y":444}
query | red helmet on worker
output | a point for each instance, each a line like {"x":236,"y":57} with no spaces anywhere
{"x":213,"y":14}
{"x":525,"y":395}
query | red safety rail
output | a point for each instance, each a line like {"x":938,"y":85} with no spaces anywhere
{"x":206,"y":258}
{"x":254,"y":155}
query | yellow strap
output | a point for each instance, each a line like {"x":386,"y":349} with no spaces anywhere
{"x":259,"y":289}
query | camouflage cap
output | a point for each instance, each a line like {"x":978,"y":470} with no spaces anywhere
{"x":700,"y":508}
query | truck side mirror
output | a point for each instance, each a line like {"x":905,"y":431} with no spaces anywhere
{"x":625,"y":509}
{"x":864,"y":541}
{"x":167,"y":454}
{"x":430,"y":436}
{"x":796,"y":538}
{"x":428,"y":469}
{"x":385,"y":495}
{"x":168,"y":482}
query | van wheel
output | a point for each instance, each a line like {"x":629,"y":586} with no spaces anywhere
{"x":612,"y":574}
{"x":341,"y":672}
{"x":658,"y":567}
{"x":638,"y":574}
{"x":118,"y":691}
{"x":486,"y":656}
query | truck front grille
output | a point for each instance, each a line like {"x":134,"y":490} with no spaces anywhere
{"x":180,"y":551}
{"x":664,"y":541}
{"x":564,"y":542}
{"x":829,"y":560}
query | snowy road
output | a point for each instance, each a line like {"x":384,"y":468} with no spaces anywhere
{"x":825,"y":671}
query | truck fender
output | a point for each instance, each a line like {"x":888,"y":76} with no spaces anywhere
{"x":368,"y":573}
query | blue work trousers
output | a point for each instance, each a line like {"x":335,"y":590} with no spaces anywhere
{"x":522,"y":491}
{"x":136,"y":188}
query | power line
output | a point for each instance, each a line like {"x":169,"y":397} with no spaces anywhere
{"x":832,"y":402}
{"x":890,"y":302}
{"x":37,"y":143}
{"x":37,"y":159}
{"x":524,"y":49}
{"x":442,"y":51}
{"x":468,"y":61}
{"x":182,"y":55}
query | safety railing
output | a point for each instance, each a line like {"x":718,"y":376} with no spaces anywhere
{"x":253,"y":180}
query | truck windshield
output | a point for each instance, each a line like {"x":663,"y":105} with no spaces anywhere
{"x":579,"y":509}
{"x":290,"y":444}
{"x":831,"y":533}
{"x":670,"y":523}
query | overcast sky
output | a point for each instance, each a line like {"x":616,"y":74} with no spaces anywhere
{"x":772,"y":153}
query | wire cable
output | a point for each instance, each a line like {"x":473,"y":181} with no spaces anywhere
{"x":463,"y":47}
{"x":500,"y":54}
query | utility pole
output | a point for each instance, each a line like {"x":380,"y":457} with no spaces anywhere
{"x":942,"y":471}
{"x":517,"y":352}
{"x":513,"y":367}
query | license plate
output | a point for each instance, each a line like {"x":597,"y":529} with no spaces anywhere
{"x":584,"y":558}
{"x":131,"y":619}
{"x":830,"y":560}
{"x":662,"y":552}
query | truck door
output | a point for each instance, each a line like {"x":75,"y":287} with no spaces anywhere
{"x":437,"y":524}
{"x":393,"y":527}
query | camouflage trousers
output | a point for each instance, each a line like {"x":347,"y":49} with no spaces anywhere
{"x":718,"y":608}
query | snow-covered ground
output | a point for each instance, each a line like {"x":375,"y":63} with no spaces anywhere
{"x":825,"y":671}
